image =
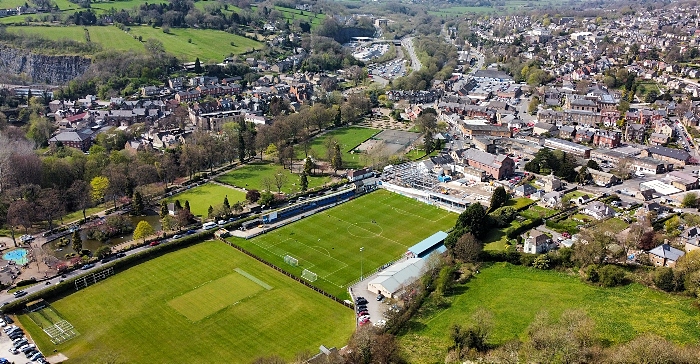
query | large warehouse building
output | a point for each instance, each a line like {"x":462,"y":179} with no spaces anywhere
{"x":392,"y":280}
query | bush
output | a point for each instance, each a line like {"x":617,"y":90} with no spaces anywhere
{"x":527,"y":259}
{"x":592,"y":274}
{"x":664,"y":279}
{"x":611,"y":276}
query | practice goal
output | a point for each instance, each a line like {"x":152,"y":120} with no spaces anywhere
{"x":309,"y":275}
{"x":291,"y":260}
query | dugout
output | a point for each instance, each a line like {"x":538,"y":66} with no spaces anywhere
{"x":435,"y":242}
{"x":393,"y":279}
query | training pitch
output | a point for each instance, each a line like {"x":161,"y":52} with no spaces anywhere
{"x":208,"y":303}
{"x":328,"y":243}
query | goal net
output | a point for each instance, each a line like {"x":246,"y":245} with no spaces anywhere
{"x":309,"y":275}
{"x":291,"y":260}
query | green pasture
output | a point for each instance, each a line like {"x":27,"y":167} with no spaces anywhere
{"x":130,"y":317}
{"x":251,"y":176}
{"x":515,"y":294}
{"x":348,"y":138}
{"x":328,"y":243}
{"x":206,"y":195}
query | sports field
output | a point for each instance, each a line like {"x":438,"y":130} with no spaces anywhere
{"x":516,"y":294}
{"x":208,"y":194}
{"x":208,"y":303}
{"x":328,"y":243}
{"x":251,"y":176}
{"x":348,"y":138}
{"x":187,"y":44}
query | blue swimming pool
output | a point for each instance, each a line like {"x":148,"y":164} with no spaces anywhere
{"x":19,"y":256}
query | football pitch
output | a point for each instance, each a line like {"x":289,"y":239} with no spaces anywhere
{"x":328,"y":243}
{"x":207,"y":303}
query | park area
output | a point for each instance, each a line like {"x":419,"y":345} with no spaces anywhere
{"x":208,"y":194}
{"x":252,"y":176}
{"x":516,"y":294}
{"x":328,"y":243}
{"x":208,"y":303}
{"x":348,"y":138}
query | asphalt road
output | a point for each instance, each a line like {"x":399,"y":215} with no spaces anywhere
{"x":407,"y":43}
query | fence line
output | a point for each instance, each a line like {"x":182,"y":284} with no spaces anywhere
{"x":334,"y":298}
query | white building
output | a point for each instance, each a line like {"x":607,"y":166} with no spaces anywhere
{"x":391,"y":280}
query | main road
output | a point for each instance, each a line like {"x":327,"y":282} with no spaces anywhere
{"x":407,"y":43}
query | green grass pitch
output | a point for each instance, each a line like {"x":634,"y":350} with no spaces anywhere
{"x":328,"y":243}
{"x":515,"y":294}
{"x":208,"y":194}
{"x":128,"y":316}
{"x":250,"y":176}
{"x":349,"y":138}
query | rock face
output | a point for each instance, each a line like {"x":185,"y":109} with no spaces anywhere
{"x":41,"y":68}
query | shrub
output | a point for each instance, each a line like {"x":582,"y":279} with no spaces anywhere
{"x":611,"y":276}
{"x":664,"y":279}
{"x":591,"y":273}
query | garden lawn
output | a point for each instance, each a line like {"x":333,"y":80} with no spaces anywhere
{"x":534,"y":212}
{"x":251,"y":176}
{"x":519,"y":202}
{"x":137,"y":315}
{"x":515,"y":294}
{"x":208,"y":194}
{"x":349,"y":138}
{"x":328,"y":243}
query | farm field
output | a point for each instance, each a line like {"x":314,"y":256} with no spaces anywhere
{"x":177,"y":42}
{"x":208,"y":303}
{"x":251,"y":176}
{"x":515,"y":294}
{"x":349,"y":138}
{"x":509,"y":6}
{"x":206,"y":195}
{"x":328,"y":243}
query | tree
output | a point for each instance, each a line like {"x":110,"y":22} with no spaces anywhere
{"x":168,"y":223}
{"x":304,"y":182}
{"x":583,"y":176}
{"x":690,"y":200}
{"x":664,"y":279}
{"x":99,"y":187}
{"x":252,"y":196}
{"x":103,"y":251}
{"x":445,"y":280}
{"x":647,"y":241}
{"x":226,"y":205}
{"x":183,"y":218}
{"x":197,"y":65}
{"x":266,"y":198}
{"x":76,"y":241}
{"x":467,"y":248}
{"x":534,"y":105}
{"x":187,"y":205}
{"x":611,"y":276}
{"x":210,"y":211}
{"x":143,"y":230}
{"x":280,"y":179}
{"x":308,"y":166}
{"x":428,"y":142}
{"x":163,"y":209}
{"x":137,"y":204}
{"x":498,"y":198}
{"x":79,"y":193}
{"x":337,"y":160}
{"x":592,"y":164}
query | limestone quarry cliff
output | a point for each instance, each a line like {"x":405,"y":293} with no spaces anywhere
{"x":40,"y":68}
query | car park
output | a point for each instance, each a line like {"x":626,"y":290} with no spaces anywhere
{"x":31,"y":354}
{"x":362,"y":313}
{"x":27,"y":348}
{"x":20,"y":343}
{"x":16,"y":336}
{"x":9,"y":328}
{"x":13,"y":351}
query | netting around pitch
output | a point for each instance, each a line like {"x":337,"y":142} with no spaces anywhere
{"x":309,"y":275}
{"x":291,"y":260}
{"x":54,"y":325}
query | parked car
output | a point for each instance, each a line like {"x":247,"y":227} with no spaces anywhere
{"x":88,"y":266}
{"x":154,"y":243}
{"x":121,"y":255}
{"x":20,"y":293}
{"x":177,"y":236}
{"x":380,"y":297}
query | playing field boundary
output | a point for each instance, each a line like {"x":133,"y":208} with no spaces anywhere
{"x":290,"y":275}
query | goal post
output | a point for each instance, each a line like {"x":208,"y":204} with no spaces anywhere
{"x":309,"y":275}
{"x":291,"y":260}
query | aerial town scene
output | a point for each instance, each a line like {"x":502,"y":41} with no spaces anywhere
{"x":349,"y":181}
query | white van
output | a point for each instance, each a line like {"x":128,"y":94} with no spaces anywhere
{"x":209,"y":225}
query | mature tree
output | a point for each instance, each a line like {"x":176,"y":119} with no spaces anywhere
{"x":80,"y":194}
{"x":467,"y":248}
{"x":593,"y":246}
{"x":303,"y":182}
{"x":690,"y":200}
{"x":370,"y":345}
{"x":280,"y":179}
{"x":183,"y":218}
{"x":76,"y":241}
{"x":103,"y":251}
{"x":137,"y":204}
{"x":611,"y":275}
{"x":266,"y":183}
{"x":647,"y":241}
{"x":308,"y":166}
{"x":252,"y":196}
{"x":226,"y":205}
{"x":337,"y":160}
{"x":210,"y":211}
{"x":498,"y":198}
{"x":163,"y":209}
{"x":592,"y":164}
{"x":20,"y":213}
{"x":99,"y":186}
{"x":143,"y":230}
{"x":583,"y":176}
{"x":168,"y":223}
{"x":187,"y":205}
{"x":266,"y":198}
{"x":428,"y":142}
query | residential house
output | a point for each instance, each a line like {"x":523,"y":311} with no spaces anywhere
{"x":359,"y":174}
{"x":658,"y":139}
{"x":544,"y":128}
{"x":583,"y":136}
{"x":78,"y":139}
{"x":498,"y":166}
{"x":536,"y":243}
{"x":665,"y":255}
{"x":690,"y":238}
{"x":525,"y":190}
{"x":550,"y":183}
{"x":607,"y":139}
{"x":635,"y":132}
{"x":603,"y":179}
{"x":674,"y":156}
{"x":551,"y":200}
{"x":598,"y":210}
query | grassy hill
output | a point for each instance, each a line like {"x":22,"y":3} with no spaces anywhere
{"x":187,"y":44}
